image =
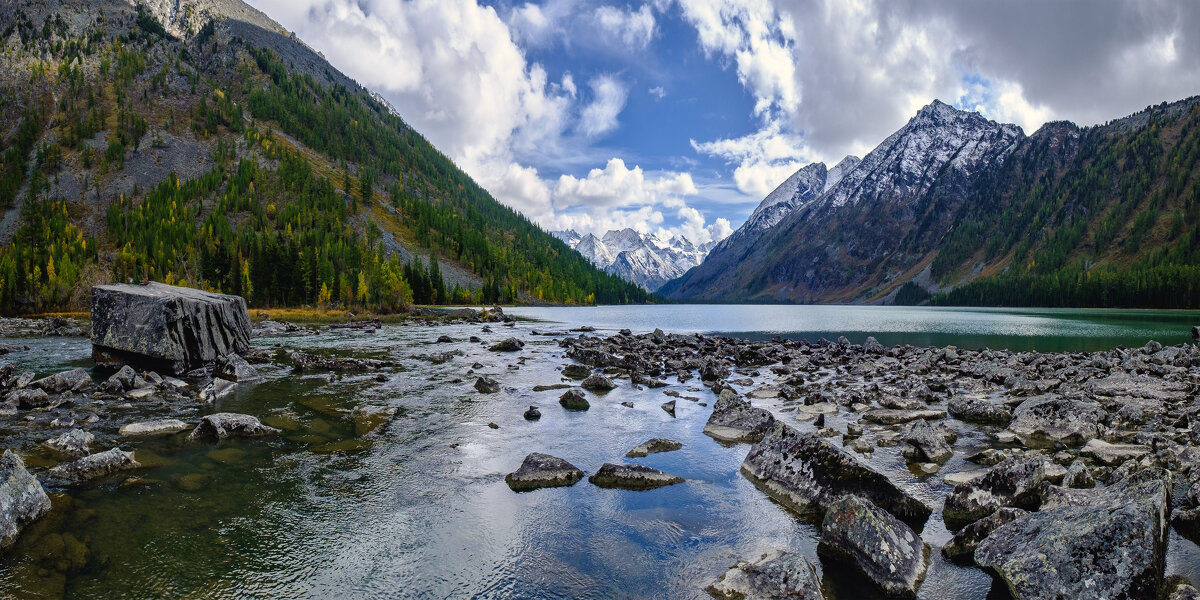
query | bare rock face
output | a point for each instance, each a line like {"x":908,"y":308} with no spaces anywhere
{"x":1103,"y":543}
{"x":776,"y":575}
{"x":219,"y":426}
{"x":542,"y":470}
{"x":167,"y":328}
{"x":22,"y":499}
{"x":867,"y":537}
{"x":809,"y":474}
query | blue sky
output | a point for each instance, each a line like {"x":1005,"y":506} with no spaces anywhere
{"x":679,"y":116}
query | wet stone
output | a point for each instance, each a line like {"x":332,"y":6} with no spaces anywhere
{"x":22,"y":499}
{"x":653,"y":446}
{"x":735,"y":420}
{"x":95,"y":465}
{"x":598,"y":383}
{"x":882,"y":547}
{"x":508,"y":345}
{"x":1017,"y":482}
{"x":669,"y":407}
{"x":962,"y":546}
{"x":890,"y":416}
{"x":542,"y":470}
{"x":74,"y":443}
{"x":532,"y":414}
{"x":220,"y":426}
{"x":777,"y":575}
{"x":632,"y":477}
{"x":1041,"y":422}
{"x":573,"y":400}
{"x":487,"y":385}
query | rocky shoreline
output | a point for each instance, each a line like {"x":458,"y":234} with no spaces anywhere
{"x":1091,"y":458}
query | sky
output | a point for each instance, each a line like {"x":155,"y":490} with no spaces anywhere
{"x":679,"y":116}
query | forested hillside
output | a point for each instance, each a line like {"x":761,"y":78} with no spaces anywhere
{"x":218,"y":152}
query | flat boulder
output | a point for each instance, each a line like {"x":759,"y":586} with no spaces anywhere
{"x":778,"y":575}
{"x":1113,"y":454}
{"x":1042,"y":421}
{"x":735,"y":420}
{"x":74,"y":443}
{"x":75,"y":380}
{"x":870,"y":539}
{"x":632,"y":477}
{"x":235,"y":368}
{"x":598,"y":383}
{"x":1018,"y":481}
{"x":219,"y":426}
{"x":168,"y":328}
{"x":807,"y":473}
{"x":653,"y":446}
{"x":973,"y":409}
{"x":508,"y":345}
{"x":894,"y":416}
{"x":542,"y":470}
{"x":1103,"y":543}
{"x":96,"y":465}
{"x":303,"y":361}
{"x":22,"y":498}
{"x":158,"y":427}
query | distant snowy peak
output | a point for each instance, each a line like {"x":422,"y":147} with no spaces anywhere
{"x":840,"y":170}
{"x":646,"y":259}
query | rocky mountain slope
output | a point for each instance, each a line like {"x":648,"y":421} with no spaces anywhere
{"x":199,"y":142}
{"x":645,"y":259}
{"x":953,"y":200}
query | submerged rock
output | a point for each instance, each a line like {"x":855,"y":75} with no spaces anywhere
{"x":632,"y":477}
{"x":573,"y":400}
{"x":74,"y":443}
{"x":808,"y":474}
{"x":219,"y":426}
{"x":22,"y":499}
{"x":542,"y":470}
{"x":1041,"y":422}
{"x":369,"y":417}
{"x":95,"y":465}
{"x":153,"y":428}
{"x":1104,"y":543}
{"x":653,"y":446}
{"x":882,"y":547}
{"x":779,"y":575}
{"x":735,"y":420}
{"x":165,"y":327}
{"x":1017,"y":481}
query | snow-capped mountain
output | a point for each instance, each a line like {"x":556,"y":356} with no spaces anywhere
{"x":646,"y":259}
{"x":835,"y":234}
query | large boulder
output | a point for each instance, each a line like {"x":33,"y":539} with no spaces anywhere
{"x":974,"y":409}
{"x":1103,"y":543}
{"x":542,"y":470}
{"x":734,"y":420}
{"x":1018,"y":482}
{"x":75,"y":380}
{"x":166,"y":328}
{"x":632,"y":477}
{"x":778,"y":575}
{"x":22,"y":499}
{"x":74,"y":443}
{"x":805,"y":472}
{"x":926,"y":444}
{"x":882,"y":547}
{"x":1042,"y":421}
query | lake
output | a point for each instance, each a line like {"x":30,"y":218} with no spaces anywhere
{"x":1047,"y":329}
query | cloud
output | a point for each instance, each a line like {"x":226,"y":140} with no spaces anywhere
{"x":635,"y":29}
{"x":763,"y":158}
{"x":695,"y":228}
{"x":608,"y":98}
{"x":658,"y":92}
{"x":618,"y":185}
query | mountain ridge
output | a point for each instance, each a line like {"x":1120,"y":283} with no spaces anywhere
{"x":646,"y":260}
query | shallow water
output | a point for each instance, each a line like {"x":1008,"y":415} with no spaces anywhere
{"x":420,"y":509}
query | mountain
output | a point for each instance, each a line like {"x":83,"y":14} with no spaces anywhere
{"x":199,"y":142}
{"x":645,"y":259}
{"x":956,"y":208}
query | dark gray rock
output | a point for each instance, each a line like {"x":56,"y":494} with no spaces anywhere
{"x":235,"y":368}
{"x":96,"y":465}
{"x":964,"y":543}
{"x":891,"y":416}
{"x":165,"y":327}
{"x":807,"y":473}
{"x":1018,"y":481}
{"x":487,"y":385}
{"x":653,"y":446}
{"x":75,"y":380}
{"x":926,"y":444}
{"x":576,"y":371}
{"x":669,"y":407}
{"x":735,"y":420}
{"x":872,"y":346}
{"x":1040,"y":422}
{"x":1078,"y":476}
{"x":219,"y":426}
{"x":598,"y":383}
{"x":1103,"y":543}
{"x":508,"y":345}
{"x":303,"y":361}
{"x":532,"y":414}
{"x":632,"y":477}
{"x":74,"y":443}
{"x":154,"y":428}
{"x":216,"y":390}
{"x":27,"y":398}
{"x":778,"y":575}
{"x":978,"y":410}
{"x":542,"y":470}
{"x":573,"y":400}
{"x":22,"y":499}
{"x":882,"y":547}
{"x":123,"y":380}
